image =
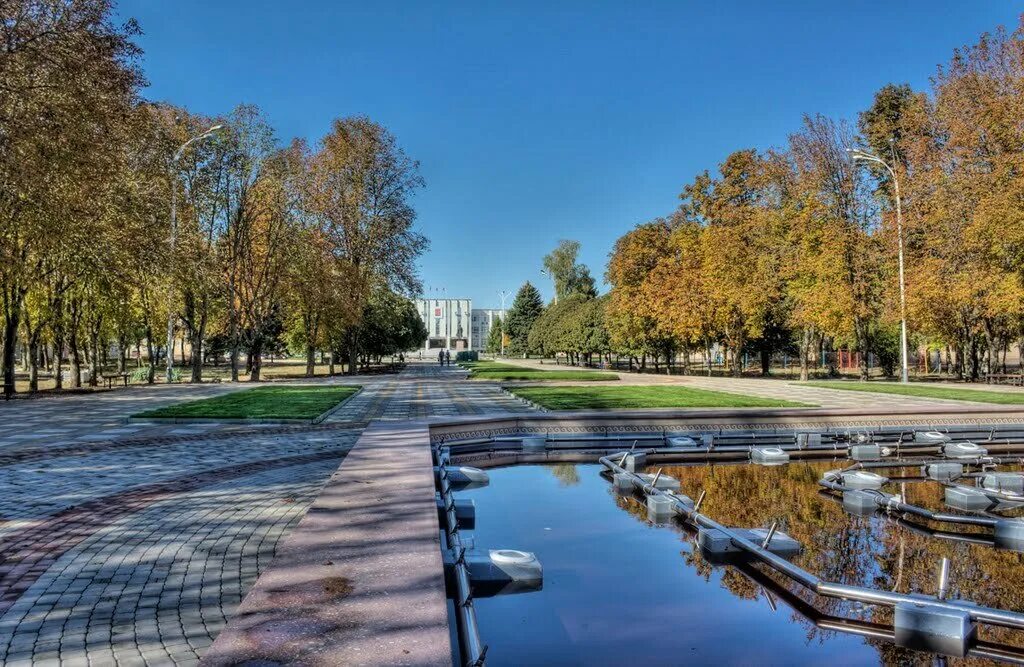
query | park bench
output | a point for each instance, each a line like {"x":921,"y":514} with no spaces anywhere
{"x":111,"y":378}
{"x":1015,"y":379}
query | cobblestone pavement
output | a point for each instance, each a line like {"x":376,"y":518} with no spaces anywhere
{"x":99,"y":417}
{"x":132,"y":546}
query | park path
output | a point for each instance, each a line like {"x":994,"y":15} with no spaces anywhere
{"x":133,"y":544}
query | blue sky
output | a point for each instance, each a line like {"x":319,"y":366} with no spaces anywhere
{"x":540,"y":121}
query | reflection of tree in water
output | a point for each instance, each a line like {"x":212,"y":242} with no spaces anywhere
{"x":566,"y":473}
{"x":869,"y":551}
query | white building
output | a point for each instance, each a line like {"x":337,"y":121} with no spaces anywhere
{"x":483,"y":320}
{"x":454,"y":324}
{"x":448,"y":323}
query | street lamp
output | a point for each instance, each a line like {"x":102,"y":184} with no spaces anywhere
{"x":174,"y":238}
{"x":544,"y":272}
{"x":858,"y":155}
{"x":504,"y":295}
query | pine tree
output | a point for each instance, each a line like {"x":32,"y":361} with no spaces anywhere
{"x":526,"y":308}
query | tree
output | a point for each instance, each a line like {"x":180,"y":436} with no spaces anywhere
{"x":360,"y":185}
{"x":67,"y":77}
{"x":525,"y":310}
{"x":639,"y":317}
{"x":852,"y":265}
{"x":495,"y":335}
{"x":569,"y":276}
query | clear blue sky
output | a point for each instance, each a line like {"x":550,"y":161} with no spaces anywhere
{"x":535,"y":121}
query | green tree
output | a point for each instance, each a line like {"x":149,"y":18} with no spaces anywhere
{"x":569,"y":276}
{"x":494,"y":335}
{"x":525,"y":310}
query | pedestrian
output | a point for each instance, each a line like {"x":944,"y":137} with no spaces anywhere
{"x":447,"y":358}
{"x":440,"y":357}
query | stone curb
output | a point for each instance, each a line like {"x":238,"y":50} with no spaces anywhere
{"x":360,"y":580}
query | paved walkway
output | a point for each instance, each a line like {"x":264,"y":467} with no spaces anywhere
{"x":131,"y":544}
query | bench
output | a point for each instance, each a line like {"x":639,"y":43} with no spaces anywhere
{"x":111,"y":378}
{"x":1015,"y":379}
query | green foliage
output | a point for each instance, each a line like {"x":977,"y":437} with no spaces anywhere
{"x":573,"y":326}
{"x":489,"y":370}
{"x":390,"y":325}
{"x":494,"y":336}
{"x":525,"y":310}
{"x":927,"y":391}
{"x":885,"y":345}
{"x":280,"y":402}
{"x":615,"y":398}
{"x":569,"y":276}
{"x":140,"y":375}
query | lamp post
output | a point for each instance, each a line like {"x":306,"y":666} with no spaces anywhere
{"x":174,"y":239}
{"x":504,"y":295}
{"x":863,"y":156}
{"x":544,"y":272}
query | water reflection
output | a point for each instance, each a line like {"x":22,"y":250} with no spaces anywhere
{"x":620,"y":589}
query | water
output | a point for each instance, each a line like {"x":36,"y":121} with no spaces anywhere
{"x":620,"y":590}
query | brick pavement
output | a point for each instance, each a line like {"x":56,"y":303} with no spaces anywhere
{"x":132,"y":544}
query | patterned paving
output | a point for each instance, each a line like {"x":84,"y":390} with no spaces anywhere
{"x":132,"y":544}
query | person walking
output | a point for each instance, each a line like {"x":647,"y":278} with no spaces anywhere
{"x":440,"y":357}
{"x":447,"y":358}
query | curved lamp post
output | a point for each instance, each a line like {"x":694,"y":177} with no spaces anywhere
{"x":504,"y":295}
{"x":174,"y":238}
{"x":858,"y":155}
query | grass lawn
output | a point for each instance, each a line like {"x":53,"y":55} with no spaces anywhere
{"x":490,"y":370}
{"x":925,"y":391}
{"x":604,"y":398}
{"x":282,"y":402}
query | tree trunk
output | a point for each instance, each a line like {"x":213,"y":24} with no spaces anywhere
{"x":11,"y":318}
{"x":310,"y":360}
{"x":234,"y":361}
{"x":255,"y":360}
{"x":196,"y":337}
{"x":766,"y":362}
{"x":805,"y":352}
{"x":58,"y":359}
{"x":737,"y":359}
{"x":33,"y":367}
{"x":353,"y":351}
{"x":151,"y":354}
{"x":94,"y":370}
{"x":122,"y":353}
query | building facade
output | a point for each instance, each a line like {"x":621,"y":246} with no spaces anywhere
{"x":447,"y":322}
{"x":453,"y":324}
{"x":483,"y":320}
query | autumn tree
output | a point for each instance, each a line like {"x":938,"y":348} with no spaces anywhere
{"x":360,"y":188}
{"x":68,"y":75}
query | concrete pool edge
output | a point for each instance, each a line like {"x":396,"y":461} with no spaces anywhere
{"x":360,"y":580}
{"x":655,"y":421}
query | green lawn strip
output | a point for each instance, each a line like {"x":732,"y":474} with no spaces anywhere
{"x":282,"y":402}
{"x":610,"y":398}
{"x":492,"y":370}
{"x":924,"y":391}
{"x":529,"y":374}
